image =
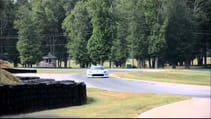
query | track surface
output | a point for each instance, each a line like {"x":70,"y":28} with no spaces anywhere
{"x":128,"y":85}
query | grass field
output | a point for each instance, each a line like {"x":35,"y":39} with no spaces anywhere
{"x":107,"y":104}
{"x":61,"y":71}
{"x":169,"y":75}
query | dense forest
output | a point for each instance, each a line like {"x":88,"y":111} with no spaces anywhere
{"x":94,"y":31}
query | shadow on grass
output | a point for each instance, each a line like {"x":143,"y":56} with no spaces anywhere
{"x":90,"y":100}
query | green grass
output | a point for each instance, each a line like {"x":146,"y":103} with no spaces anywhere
{"x":170,"y":75}
{"x":107,"y":104}
{"x":61,"y":71}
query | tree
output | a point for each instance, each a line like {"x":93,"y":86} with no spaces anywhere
{"x":21,"y":2}
{"x":1,"y":5}
{"x":99,"y":45}
{"x":155,"y":14}
{"x":78,"y":28}
{"x":69,"y":5}
{"x":119,"y":50}
{"x":8,"y":33}
{"x":1,"y":43}
{"x":99,"y":30}
{"x":49,"y":15}
{"x":28,"y":43}
{"x":201,"y":11}
{"x":179,"y":35}
{"x":137,"y":32}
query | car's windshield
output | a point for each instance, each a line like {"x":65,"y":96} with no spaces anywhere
{"x":97,"y":68}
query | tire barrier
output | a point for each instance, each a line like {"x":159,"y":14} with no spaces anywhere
{"x":38,"y":80}
{"x":34,"y":79}
{"x":13,"y":70}
{"x":27,"y":78}
{"x":37,"y":96}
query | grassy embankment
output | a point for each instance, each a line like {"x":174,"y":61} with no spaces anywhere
{"x":8,"y":78}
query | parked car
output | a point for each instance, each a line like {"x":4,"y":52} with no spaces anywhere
{"x":97,"y":71}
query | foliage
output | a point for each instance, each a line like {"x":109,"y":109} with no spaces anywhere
{"x":161,"y":31}
{"x":48,"y":16}
{"x":101,"y":39}
{"x":180,"y":43}
{"x":1,"y":4}
{"x":8,"y":46}
{"x":138,"y":31}
{"x":156,"y":19}
{"x":28,"y":44}
{"x":119,"y":48}
{"x":78,"y":28}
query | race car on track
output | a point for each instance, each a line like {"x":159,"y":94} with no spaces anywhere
{"x":97,"y":71}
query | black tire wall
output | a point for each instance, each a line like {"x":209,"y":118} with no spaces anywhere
{"x":13,"y":70}
{"x":29,"y":97}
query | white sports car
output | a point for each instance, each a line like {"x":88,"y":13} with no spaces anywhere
{"x":98,"y":71}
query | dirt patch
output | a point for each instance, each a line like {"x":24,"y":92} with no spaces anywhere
{"x":8,"y":78}
{"x":4,"y":64}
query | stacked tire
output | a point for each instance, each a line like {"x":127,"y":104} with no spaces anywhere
{"x":37,"y":96}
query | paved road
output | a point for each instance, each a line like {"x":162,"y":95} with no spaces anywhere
{"x":119,"y":84}
{"x":192,"y":108}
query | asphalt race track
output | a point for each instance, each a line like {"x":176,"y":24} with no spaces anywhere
{"x":128,"y":85}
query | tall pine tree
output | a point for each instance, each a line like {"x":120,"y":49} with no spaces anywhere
{"x":99,"y":45}
{"x":78,"y":28}
{"x":29,"y":42}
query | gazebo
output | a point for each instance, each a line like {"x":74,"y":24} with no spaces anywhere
{"x":48,"y":61}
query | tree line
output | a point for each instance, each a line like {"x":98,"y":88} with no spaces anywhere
{"x":95,"y":31}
